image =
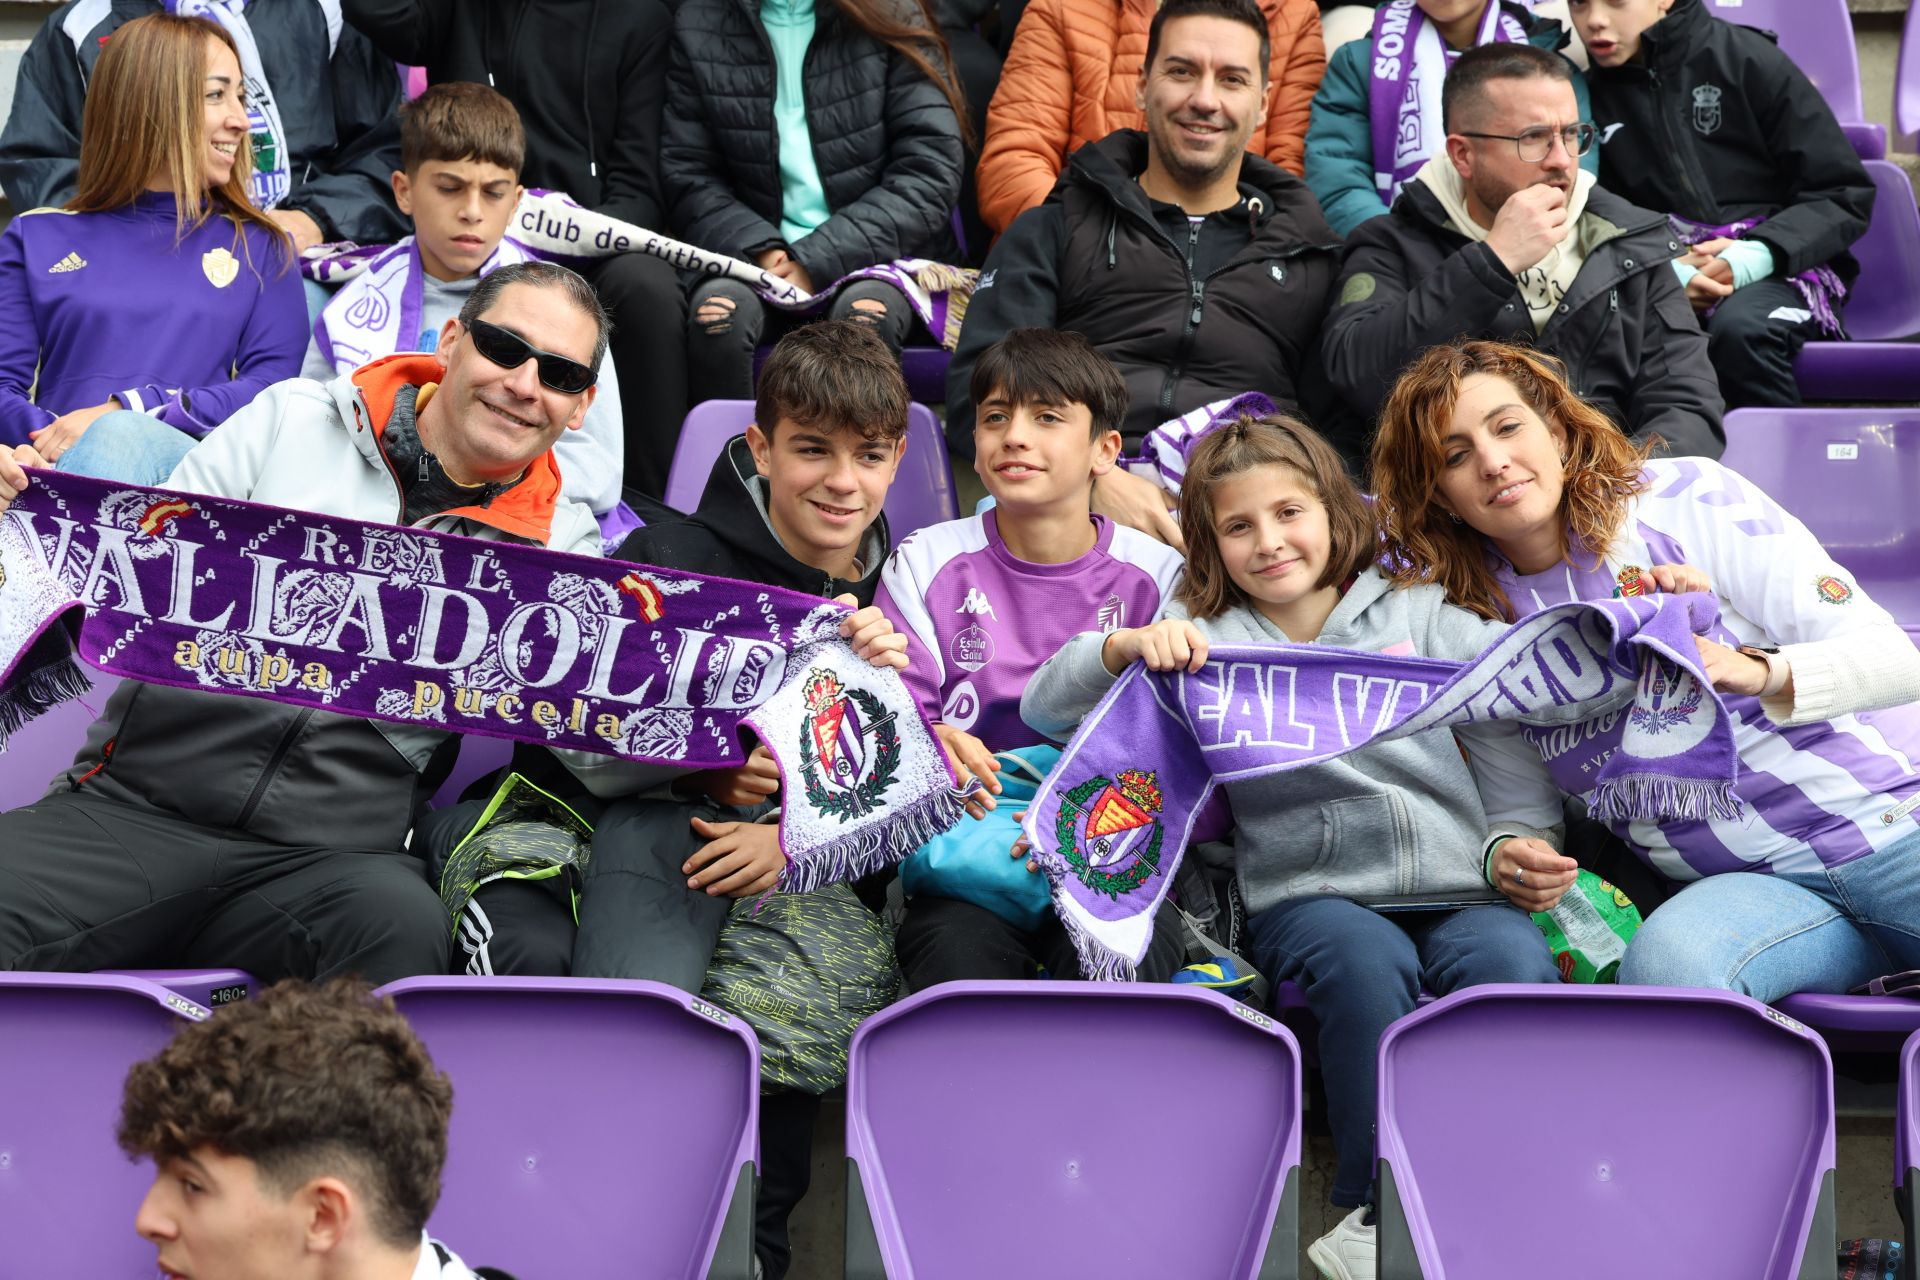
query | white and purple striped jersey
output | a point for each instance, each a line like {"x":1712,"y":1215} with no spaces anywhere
{"x":1816,"y":795}
{"x":979,"y":621}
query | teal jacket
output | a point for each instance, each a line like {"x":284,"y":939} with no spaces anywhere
{"x":1340,"y":139}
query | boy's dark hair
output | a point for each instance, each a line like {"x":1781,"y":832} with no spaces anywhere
{"x":833,"y":375}
{"x":1465,"y":85}
{"x":460,"y":120}
{"x":305,"y":1081}
{"x":1247,"y":11}
{"x":1241,"y":445}
{"x":1052,"y":366}
{"x":543,"y":275}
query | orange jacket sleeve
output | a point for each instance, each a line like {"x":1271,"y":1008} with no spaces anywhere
{"x":1298,"y":63}
{"x":1030,"y":118}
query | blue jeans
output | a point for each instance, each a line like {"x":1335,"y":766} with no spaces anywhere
{"x":1359,"y":970}
{"x":127,"y":446}
{"x":1768,"y":936}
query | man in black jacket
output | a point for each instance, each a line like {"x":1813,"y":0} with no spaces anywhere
{"x":332,"y":92}
{"x":1712,"y":123}
{"x":1201,"y":270}
{"x":588,"y":78}
{"x":1504,"y":237}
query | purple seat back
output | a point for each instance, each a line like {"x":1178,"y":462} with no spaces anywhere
{"x":1858,"y":371}
{"x":1855,"y":1022}
{"x":479,"y":756}
{"x":67,"y":1194}
{"x":609,"y":1123}
{"x":1522,"y":1123}
{"x":922,"y":492}
{"x":46,"y":744}
{"x":1906,"y":1129}
{"x":1906,"y":82}
{"x":1818,"y":36}
{"x":1849,"y":475}
{"x":209,"y":987}
{"x":1883,"y":303}
{"x":1004,"y":1129}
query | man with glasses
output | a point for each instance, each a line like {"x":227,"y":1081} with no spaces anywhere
{"x":199,"y":829}
{"x":1504,"y":237}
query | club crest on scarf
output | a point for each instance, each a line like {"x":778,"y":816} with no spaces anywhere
{"x":1108,"y":831}
{"x":1668,"y":703}
{"x":849,"y":750}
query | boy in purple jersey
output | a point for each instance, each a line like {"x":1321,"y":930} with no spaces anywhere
{"x":984,"y":601}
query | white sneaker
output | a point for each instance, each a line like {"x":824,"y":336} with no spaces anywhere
{"x":1346,"y":1252}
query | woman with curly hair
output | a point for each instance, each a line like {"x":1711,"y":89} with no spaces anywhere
{"x":1496,"y":482}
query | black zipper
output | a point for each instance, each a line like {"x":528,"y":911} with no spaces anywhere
{"x":1613,"y":309}
{"x":274,"y":761}
{"x":1686,"y":155}
{"x":1196,"y":297}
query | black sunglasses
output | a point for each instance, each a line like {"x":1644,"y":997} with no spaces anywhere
{"x":510,"y":351}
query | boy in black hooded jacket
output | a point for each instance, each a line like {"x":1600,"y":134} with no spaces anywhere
{"x":1711,"y":123}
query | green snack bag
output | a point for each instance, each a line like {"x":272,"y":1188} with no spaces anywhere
{"x":1589,"y":930}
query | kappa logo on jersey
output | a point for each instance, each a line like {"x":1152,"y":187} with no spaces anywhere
{"x":977,"y":602}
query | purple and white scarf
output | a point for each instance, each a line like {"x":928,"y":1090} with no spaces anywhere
{"x":1164,"y":452}
{"x":1110,"y":823}
{"x":1819,"y":286}
{"x":270,"y":180}
{"x":550,"y":225}
{"x":1410,"y":60}
{"x":470,"y":636}
{"x":377,"y":312}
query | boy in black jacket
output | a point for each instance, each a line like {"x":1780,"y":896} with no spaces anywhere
{"x":796,"y":503}
{"x":1713,"y":124}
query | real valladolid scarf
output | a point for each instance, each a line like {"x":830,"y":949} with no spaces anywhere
{"x":377,"y":312}
{"x":1822,"y":290}
{"x":1410,"y":61}
{"x":551,"y":225}
{"x":472,"y":637}
{"x":1110,"y":823}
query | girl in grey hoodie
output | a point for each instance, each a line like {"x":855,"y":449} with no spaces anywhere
{"x":1385,"y":892}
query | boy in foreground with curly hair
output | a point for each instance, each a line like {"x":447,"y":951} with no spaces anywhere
{"x":298,"y":1135}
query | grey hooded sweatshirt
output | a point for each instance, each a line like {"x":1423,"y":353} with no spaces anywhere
{"x":1406,"y":819}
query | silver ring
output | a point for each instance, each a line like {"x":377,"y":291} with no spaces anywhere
{"x":1519,"y":875}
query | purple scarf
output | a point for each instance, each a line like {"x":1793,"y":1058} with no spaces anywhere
{"x":377,"y":312}
{"x":1110,"y":823}
{"x":1410,"y":60}
{"x":470,"y":636}
{"x":1821,"y":288}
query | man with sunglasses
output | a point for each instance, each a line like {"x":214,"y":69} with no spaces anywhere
{"x":201,"y":829}
{"x":1504,"y":237}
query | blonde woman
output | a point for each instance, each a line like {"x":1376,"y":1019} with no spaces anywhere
{"x":159,"y":299}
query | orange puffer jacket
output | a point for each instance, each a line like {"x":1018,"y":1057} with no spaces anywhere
{"x":1070,"y":78}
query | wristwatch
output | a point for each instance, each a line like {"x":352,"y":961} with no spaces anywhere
{"x":1777,"y":667}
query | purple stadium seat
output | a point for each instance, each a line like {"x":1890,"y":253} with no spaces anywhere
{"x":1614,"y":1130}
{"x":47,"y":744}
{"x":1906,"y":83}
{"x":922,"y":493}
{"x":210,"y":988}
{"x":608,"y":1124}
{"x":1818,"y":36}
{"x":67,"y":1194}
{"x":1882,"y":306}
{"x":1906,"y":1148}
{"x":479,"y":756}
{"x":1849,"y":474}
{"x":1003,"y":1129}
{"x":925,"y":369}
{"x":1855,"y":1022}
